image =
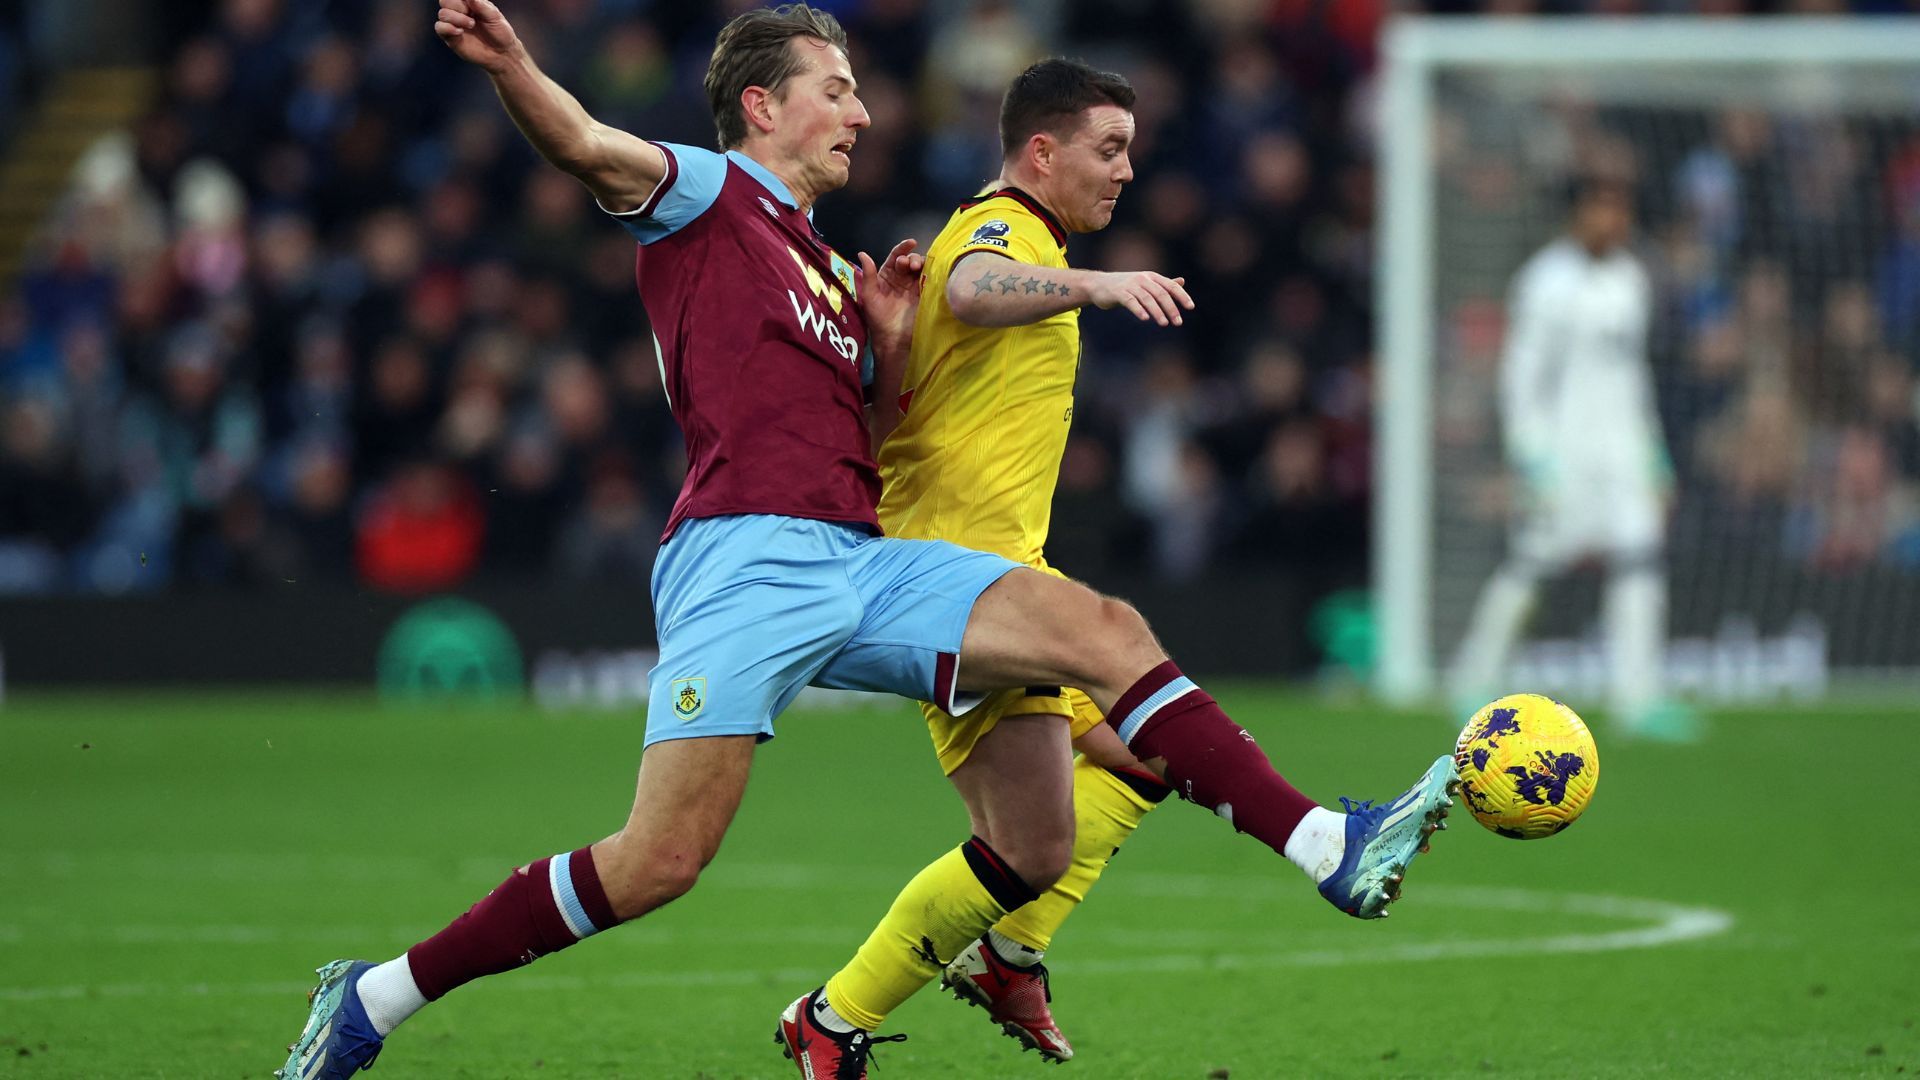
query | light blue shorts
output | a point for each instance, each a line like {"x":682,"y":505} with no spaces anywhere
{"x":751,"y":608}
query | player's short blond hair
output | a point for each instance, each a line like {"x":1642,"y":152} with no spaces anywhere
{"x":754,"y":50}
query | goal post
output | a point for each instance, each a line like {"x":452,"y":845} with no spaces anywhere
{"x":1482,"y":123}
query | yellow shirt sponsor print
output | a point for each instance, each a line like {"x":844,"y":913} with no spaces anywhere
{"x":977,"y":453}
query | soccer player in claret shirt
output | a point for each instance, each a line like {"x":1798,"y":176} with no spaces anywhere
{"x":772,"y":574}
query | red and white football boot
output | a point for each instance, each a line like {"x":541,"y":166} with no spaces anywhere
{"x":1015,"y":998}
{"x":823,"y":1054}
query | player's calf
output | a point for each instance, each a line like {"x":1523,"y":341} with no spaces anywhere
{"x":1017,"y":783}
{"x":1358,"y":860}
{"x":543,"y":907}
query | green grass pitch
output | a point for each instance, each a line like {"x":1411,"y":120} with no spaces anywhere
{"x":173,"y":866}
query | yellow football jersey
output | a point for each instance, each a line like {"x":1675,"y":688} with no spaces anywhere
{"x":986,"y":410}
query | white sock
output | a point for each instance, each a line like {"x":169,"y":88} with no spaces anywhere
{"x":1013,"y":952}
{"x":389,"y":994}
{"x":824,"y":1015}
{"x":1318,"y":843}
{"x":1635,"y":615}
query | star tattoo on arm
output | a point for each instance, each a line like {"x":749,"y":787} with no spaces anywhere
{"x":985,"y":284}
{"x":1047,"y":287}
{"x":1033,"y":285}
{"x":1010,"y":284}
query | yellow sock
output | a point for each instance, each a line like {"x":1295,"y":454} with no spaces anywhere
{"x":1105,"y":813}
{"x":946,"y":905}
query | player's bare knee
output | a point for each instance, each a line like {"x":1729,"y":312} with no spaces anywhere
{"x":661,"y":881}
{"x":1040,"y":861}
{"x":640,"y":876}
{"x":678,"y":872}
{"x":1041,"y":873}
{"x":1122,"y":645}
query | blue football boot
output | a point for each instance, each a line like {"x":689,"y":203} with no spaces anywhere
{"x":1382,"y":841}
{"x":339,"y":1040}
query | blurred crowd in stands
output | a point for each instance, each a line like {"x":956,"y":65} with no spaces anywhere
{"x":321,"y":315}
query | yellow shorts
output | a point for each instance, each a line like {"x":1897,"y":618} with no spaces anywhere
{"x":954,"y":736}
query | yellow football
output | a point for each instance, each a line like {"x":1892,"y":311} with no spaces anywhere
{"x":1528,"y":766}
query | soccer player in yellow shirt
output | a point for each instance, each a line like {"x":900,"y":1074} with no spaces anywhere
{"x":985,"y":403}
{"x":974,"y":427}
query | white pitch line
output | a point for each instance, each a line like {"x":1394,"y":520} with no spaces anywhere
{"x":1666,"y":924}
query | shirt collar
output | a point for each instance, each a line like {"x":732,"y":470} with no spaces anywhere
{"x":1008,"y":191}
{"x":767,"y":180}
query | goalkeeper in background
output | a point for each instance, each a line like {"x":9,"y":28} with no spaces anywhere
{"x":1583,"y":438}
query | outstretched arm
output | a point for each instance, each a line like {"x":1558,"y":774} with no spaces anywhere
{"x":986,"y":289}
{"x":620,"y":169}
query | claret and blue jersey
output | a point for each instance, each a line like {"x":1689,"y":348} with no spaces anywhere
{"x":760,"y":343}
{"x":772,"y":574}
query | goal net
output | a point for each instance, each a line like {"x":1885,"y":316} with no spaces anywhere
{"x":1774,"y":169}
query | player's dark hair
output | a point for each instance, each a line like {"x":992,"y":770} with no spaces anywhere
{"x":1585,"y":186}
{"x":1051,"y":95}
{"x":753,"y":50}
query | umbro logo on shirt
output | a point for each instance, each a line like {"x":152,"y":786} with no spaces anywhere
{"x":768,"y":207}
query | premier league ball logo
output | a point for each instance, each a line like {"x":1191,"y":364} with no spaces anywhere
{"x":1528,"y":766}
{"x":993,"y":233}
